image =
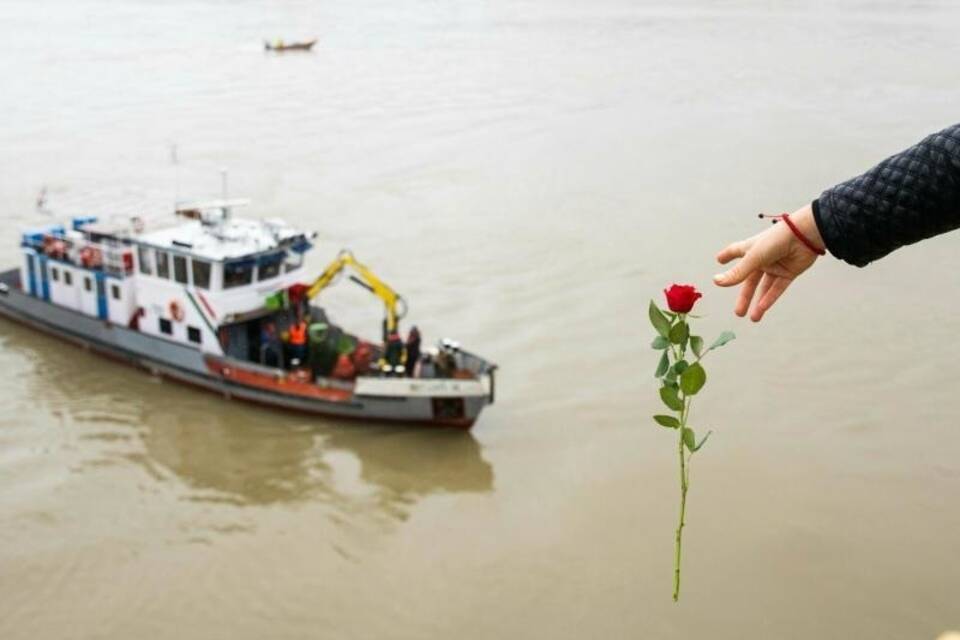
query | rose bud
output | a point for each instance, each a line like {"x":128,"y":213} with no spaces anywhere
{"x":682,"y":297}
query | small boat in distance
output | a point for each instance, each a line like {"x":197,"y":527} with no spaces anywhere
{"x":280,"y":45}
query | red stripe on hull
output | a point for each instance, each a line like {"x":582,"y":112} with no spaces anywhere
{"x":286,"y":385}
{"x":206,"y":305}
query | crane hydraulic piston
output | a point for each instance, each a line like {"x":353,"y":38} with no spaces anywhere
{"x":393,"y":302}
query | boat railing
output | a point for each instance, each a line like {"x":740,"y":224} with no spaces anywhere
{"x":116,"y":257}
{"x":110,"y":255}
{"x":473,"y":363}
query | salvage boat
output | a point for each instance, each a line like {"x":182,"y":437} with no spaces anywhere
{"x":222,"y":303}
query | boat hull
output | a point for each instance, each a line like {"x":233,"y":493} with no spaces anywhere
{"x":191,"y":366}
{"x":294,"y":46}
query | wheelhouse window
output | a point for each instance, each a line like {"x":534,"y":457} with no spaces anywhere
{"x":163,"y":264}
{"x":269,"y":266}
{"x":236,"y":274}
{"x":292,"y":261}
{"x":180,"y":269}
{"x":145,"y":258}
{"x":201,"y":274}
{"x":87,"y":285}
{"x":166,"y":326}
{"x":54,"y":274}
{"x":115,"y":291}
{"x":67,"y":278}
{"x":193,"y":335}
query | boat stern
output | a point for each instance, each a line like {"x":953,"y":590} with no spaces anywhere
{"x":454,"y":397}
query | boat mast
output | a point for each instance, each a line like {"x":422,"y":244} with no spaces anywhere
{"x":176,"y":163}
{"x":223,"y":187}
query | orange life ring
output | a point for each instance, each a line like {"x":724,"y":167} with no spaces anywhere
{"x":176,"y":311}
{"x":54,"y":247}
{"x":90,"y":257}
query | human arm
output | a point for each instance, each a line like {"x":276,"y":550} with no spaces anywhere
{"x":911,"y":196}
{"x":906,"y":198}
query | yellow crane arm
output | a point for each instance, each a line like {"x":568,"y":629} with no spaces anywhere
{"x":391,"y":299}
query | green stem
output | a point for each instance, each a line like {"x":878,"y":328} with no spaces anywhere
{"x":684,"y":485}
{"x":703,"y":355}
{"x":684,"y":481}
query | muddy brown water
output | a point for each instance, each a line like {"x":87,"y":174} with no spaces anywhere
{"x":527,"y":174}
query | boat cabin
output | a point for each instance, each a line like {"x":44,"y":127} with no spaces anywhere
{"x":186,"y":282}
{"x":212,"y":270}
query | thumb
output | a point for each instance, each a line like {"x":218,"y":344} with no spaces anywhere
{"x":739,"y":272}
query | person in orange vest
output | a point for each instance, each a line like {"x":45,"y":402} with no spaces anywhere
{"x":298,"y":342}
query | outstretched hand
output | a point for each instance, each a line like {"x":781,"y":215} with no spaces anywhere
{"x":769,"y":262}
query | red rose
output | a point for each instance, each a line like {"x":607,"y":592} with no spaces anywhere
{"x":682,"y":297}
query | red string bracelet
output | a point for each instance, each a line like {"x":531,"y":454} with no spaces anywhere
{"x":796,"y":231}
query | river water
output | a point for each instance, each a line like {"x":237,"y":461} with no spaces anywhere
{"x":528,"y":174}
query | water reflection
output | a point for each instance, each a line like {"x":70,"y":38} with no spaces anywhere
{"x":232,"y":453}
{"x":254,"y":456}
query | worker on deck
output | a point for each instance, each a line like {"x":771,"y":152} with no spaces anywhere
{"x":270,"y":352}
{"x":413,"y":350}
{"x":298,"y":343}
{"x":299,"y":301}
{"x":394,"y":349}
{"x":445,"y":363}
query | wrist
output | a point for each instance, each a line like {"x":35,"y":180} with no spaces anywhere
{"x":805,"y":221}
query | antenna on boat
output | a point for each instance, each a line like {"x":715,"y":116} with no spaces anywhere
{"x":224,"y":195}
{"x":175,"y":159}
{"x":42,"y":201}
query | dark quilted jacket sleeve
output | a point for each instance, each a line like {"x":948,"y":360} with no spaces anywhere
{"x":906,"y":198}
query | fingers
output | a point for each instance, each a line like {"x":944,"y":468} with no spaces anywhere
{"x":769,"y":296}
{"x":746,"y":293}
{"x":768,"y":279}
{"x":731,"y":251}
{"x":747,"y":265}
{"x":737,"y":249}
